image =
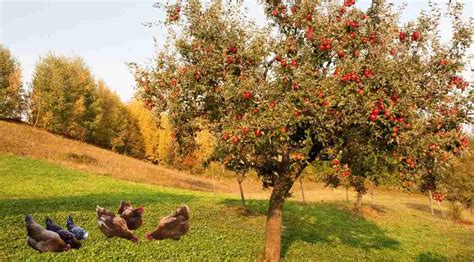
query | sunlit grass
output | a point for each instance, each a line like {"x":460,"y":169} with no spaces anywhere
{"x":219,"y":230}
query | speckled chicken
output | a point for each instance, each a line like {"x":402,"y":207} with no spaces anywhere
{"x":43,"y":240}
{"x":77,"y":231}
{"x":113,"y":226}
{"x":65,"y":235}
{"x":133,"y":216}
{"x":173,"y":226}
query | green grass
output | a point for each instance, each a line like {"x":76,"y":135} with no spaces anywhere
{"x":320,"y":231}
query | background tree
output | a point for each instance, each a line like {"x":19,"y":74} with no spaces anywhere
{"x":129,"y":140}
{"x":63,"y":96}
{"x":315,"y":80}
{"x":150,"y":129}
{"x":11,"y":88}
{"x":453,"y":182}
{"x":109,"y":117}
{"x":115,"y":126}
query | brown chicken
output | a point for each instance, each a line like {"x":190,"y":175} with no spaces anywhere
{"x":113,"y":226}
{"x":43,"y":240}
{"x":133,"y":216}
{"x":173,"y":226}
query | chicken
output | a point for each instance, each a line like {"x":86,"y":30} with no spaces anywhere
{"x":65,"y":235}
{"x":133,"y":216}
{"x":41,"y":239}
{"x":113,"y":226}
{"x":173,"y":226}
{"x":78,"y":232}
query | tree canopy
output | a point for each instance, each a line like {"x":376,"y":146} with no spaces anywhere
{"x":322,"y":77}
{"x":12,"y":102}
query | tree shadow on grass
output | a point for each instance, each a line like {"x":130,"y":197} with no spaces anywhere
{"x":13,"y":207}
{"x":324,"y":223}
{"x":425,"y":208}
{"x":431,"y":257}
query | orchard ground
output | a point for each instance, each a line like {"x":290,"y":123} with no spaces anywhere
{"x":48,"y":181}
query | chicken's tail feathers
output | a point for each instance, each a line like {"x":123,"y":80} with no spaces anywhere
{"x":48,"y":221}
{"x":29,"y":219}
{"x":184,"y":210}
{"x":69,"y":222}
{"x":123,"y":205}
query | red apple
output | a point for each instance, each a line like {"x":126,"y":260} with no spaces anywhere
{"x":341,"y":54}
{"x":394,"y":98}
{"x":294,"y":63}
{"x":342,"y":10}
{"x":368,"y":73}
{"x":247,"y":95}
{"x":349,"y":2}
{"x":236,"y":140}
{"x":197,"y":76}
{"x":295,"y":86}
{"x":272,"y":104}
{"x":226,"y":136}
{"x":402,"y":36}
{"x":174,"y":81}
{"x":373,"y":117}
{"x":258,"y":133}
{"x":310,"y":33}
{"x":415,"y":36}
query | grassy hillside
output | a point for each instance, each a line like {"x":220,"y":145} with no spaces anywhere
{"x":25,"y":140}
{"x":219,"y":230}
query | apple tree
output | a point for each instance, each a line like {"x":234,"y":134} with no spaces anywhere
{"x":320,"y":77}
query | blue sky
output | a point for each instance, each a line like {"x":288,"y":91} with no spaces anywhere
{"x":106,"y":33}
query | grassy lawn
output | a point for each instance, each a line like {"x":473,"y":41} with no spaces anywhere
{"x":219,"y":230}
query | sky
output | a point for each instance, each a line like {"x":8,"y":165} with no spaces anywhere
{"x":109,"y":33}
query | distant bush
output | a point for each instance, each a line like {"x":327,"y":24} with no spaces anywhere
{"x":81,"y":158}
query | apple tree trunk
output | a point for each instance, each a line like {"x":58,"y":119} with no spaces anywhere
{"x":359,"y":201}
{"x":372,"y":192}
{"x":273,"y":230}
{"x":240,"y":179}
{"x":431,"y":203}
{"x":275,"y":217}
{"x":347,"y":194}
{"x":302,"y":190}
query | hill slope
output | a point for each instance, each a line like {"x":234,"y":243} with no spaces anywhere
{"x":25,"y":140}
{"x":321,"y":231}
